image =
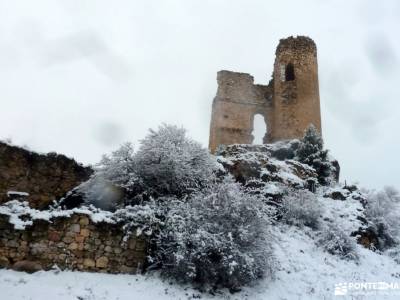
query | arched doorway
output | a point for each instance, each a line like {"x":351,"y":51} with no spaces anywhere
{"x":259,"y":129}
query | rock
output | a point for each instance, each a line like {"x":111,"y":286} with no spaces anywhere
{"x":85,"y":232}
{"x":27,"y":266}
{"x":88,"y":262}
{"x":102,"y":262}
{"x":73,"y":246}
{"x":75,"y":228}
{"x":54,"y":236}
{"x":367,"y":238}
{"x":256,"y":162}
{"x":68,"y":239}
{"x":336,"y":195}
{"x":4,"y":262}
{"x":84,"y":221}
{"x":79,"y":238}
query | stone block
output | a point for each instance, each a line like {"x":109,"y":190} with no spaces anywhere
{"x":85,"y":232}
{"x":73,"y":246}
{"x":102,"y":262}
{"x":84,"y":221}
{"x":88,"y":262}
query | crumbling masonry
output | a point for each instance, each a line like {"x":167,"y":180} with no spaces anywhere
{"x":289,"y":103}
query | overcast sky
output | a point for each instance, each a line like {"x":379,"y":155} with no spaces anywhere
{"x":81,"y":77}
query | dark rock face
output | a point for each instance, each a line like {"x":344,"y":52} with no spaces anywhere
{"x":336,"y":195}
{"x":367,"y":238}
{"x":44,"y":177}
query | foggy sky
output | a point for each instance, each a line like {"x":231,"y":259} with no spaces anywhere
{"x":81,"y":77}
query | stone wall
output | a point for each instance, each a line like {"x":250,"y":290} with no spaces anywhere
{"x":74,"y":243}
{"x":238,"y":99}
{"x":44,"y":177}
{"x":289,"y":106}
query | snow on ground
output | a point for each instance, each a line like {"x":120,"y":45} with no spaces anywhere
{"x":304,"y":272}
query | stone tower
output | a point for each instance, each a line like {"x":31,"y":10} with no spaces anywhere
{"x":289,"y":103}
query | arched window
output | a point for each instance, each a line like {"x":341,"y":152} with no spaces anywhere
{"x":289,"y":72}
{"x":259,"y":129}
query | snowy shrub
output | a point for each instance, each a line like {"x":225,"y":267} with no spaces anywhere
{"x":218,"y":237}
{"x":311,"y":152}
{"x":170,"y":163}
{"x":119,"y":167}
{"x":146,"y":218}
{"x":382,"y":212}
{"x":336,"y":242}
{"x":114,"y":178}
{"x":167,"y":163}
{"x":301,"y":208}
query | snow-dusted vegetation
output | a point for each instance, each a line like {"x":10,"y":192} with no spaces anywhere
{"x":219,"y":237}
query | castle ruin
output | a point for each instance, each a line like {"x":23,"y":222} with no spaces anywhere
{"x":289,"y":103}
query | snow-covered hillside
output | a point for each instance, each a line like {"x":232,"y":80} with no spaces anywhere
{"x":304,"y":272}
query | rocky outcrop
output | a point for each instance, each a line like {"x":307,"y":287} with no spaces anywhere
{"x":249,"y":162}
{"x":38,"y":178}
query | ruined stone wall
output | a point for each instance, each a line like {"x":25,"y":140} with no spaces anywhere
{"x":44,"y":177}
{"x":74,"y":243}
{"x":288,"y":106}
{"x":238,"y":99}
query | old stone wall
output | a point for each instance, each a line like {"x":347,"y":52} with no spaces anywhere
{"x":289,"y":103}
{"x":44,"y":177}
{"x":74,"y":243}
{"x":238,"y":99}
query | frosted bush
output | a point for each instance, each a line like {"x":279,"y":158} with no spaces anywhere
{"x":382,"y":212}
{"x":336,"y":242}
{"x":167,"y":163}
{"x":219,"y":237}
{"x":311,"y":152}
{"x":119,"y":167}
{"x":301,"y":208}
{"x":170,"y":163}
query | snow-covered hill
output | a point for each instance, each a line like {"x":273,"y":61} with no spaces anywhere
{"x":304,"y":272}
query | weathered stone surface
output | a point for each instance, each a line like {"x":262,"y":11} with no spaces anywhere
{"x":85,"y":232}
{"x":289,"y":103}
{"x":90,"y":263}
{"x":102,"y":262}
{"x":75,"y":228}
{"x":44,"y":177}
{"x":84,"y":221}
{"x":4,"y":262}
{"x":27,"y":266}
{"x":96,"y":247}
